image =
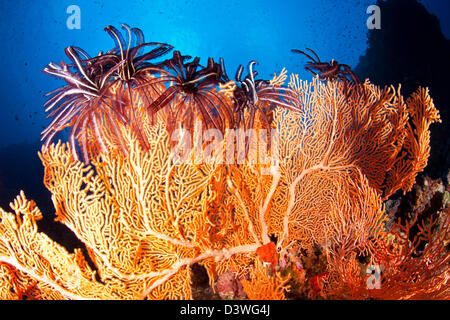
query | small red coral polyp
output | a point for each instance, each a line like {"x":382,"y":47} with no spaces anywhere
{"x":317,"y":282}
{"x":268,"y":253}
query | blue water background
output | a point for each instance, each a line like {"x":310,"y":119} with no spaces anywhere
{"x":33,"y":33}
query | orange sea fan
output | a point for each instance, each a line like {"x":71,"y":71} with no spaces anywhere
{"x":415,"y":266}
{"x":263,"y":286}
{"x":145,"y":219}
{"x":414,"y":155}
{"x":404,"y":266}
{"x":340,"y":155}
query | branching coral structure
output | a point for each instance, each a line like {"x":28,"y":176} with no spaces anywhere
{"x":146,"y":218}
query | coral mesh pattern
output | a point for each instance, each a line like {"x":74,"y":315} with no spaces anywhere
{"x":145,"y":220}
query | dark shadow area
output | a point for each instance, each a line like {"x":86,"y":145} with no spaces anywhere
{"x":411,"y":50}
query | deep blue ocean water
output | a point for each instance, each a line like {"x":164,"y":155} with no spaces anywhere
{"x":33,"y":33}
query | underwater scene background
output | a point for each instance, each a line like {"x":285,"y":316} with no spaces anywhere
{"x":411,"y":48}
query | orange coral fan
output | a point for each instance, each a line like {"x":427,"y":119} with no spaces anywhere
{"x":401,"y":268}
{"x":334,"y":161}
{"x":416,"y":147}
{"x":265,"y":287}
{"x":417,"y":268}
{"x":142,"y":217}
{"x":145,"y":218}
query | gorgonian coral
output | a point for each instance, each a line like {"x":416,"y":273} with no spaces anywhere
{"x":146,"y":218}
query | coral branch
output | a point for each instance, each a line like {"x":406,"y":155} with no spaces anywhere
{"x":146,"y":216}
